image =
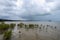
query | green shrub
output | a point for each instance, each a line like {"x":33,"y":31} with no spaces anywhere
{"x":31,"y":26}
{"x":26,"y":27}
{"x":12,"y":25}
{"x":21,"y":25}
{"x":3,"y":27}
{"x":7,"y":35}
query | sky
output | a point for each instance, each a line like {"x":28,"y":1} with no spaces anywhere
{"x":42,"y":10}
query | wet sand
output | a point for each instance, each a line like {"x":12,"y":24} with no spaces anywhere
{"x":36,"y":33}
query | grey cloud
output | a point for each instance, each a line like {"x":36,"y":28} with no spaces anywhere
{"x":49,"y":0}
{"x":28,"y":11}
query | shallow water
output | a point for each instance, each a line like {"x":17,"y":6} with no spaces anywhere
{"x":46,"y":33}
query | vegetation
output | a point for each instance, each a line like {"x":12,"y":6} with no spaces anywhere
{"x":7,"y":35}
{"x":21,"y":25}
{"x":36,"y":25}
{"x":31,"y":26}
{"x":3,"y":27}
{"x":26,"y":27}
{"x":41,"y":25}
{"x":48,"y":25}
{"x":55,"y":27}
{"x":40,"y":28}
{"x":12,"y":25}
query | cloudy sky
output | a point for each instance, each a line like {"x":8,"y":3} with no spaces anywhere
{"x":30,"y":10}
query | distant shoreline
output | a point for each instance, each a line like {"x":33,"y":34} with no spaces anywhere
{"x":1,"y":20}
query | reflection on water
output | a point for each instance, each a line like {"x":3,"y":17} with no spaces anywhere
{"x":44,"y":31}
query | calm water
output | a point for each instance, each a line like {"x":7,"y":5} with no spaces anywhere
{"x":45,"y":33}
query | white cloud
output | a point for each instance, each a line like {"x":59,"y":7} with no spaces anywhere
{"x":43,"y":6}
{"x":19,"y":4}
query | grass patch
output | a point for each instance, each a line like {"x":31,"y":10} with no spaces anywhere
{"x":3,"y":27}
{"x":7,"y":35}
